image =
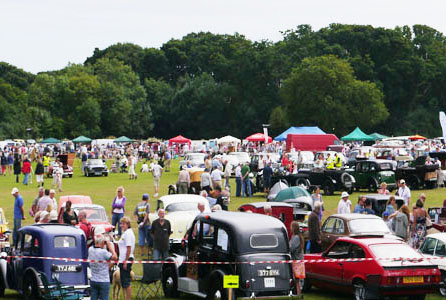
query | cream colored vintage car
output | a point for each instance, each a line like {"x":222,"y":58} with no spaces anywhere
{"x":181,"y":210}
{"x":4,"y":231}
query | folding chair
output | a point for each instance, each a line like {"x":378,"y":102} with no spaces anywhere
{"x":150,"y":282}
{"x":55,"y":290}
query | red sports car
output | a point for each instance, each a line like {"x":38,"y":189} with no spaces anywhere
{"x":376,"y":268}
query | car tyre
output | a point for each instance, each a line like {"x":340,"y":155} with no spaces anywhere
{"x":372,"y":186}
{"x":105,"y":174}
{"x":70,"y":175}
{"x":442,"y":290}
{"x":306,"y":286}
{"x":86,"y":174}
{"x":304,"y":182}
{"x":30,"y":288}
{"x":360,"y":290}
{"x":170,"y":282}
{"x":2,"y":285}
{"x":417,"y":297}
{"x":328,"y":187}
{"x":217,"y":292}
{"x":413,"y":182}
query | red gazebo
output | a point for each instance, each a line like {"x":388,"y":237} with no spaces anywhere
{"x":258,"y":137}
{"x":179,"y":140}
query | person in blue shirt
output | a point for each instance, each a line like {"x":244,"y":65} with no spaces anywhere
{"x":267,"y":172}
{"x":368,"y":208}
{"x":19,"y":213}
{"x":360,"y":206}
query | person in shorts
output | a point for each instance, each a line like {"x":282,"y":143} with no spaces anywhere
{"x":141,"y":213}
{"x":126,"y":248}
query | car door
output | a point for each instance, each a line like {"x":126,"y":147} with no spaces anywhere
{"x":330,"y":272}
{"x":440,"y":249}
{"x":327,"y":232}
{"x":352,"y":268}
{"x":359,"y":176}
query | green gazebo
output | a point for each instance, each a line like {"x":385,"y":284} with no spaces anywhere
{"x":357,"y":135}
{"x":82,"y":139}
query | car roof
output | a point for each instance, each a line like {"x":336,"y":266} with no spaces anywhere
{"x":380,"y":197}
{"x":439,"y":236}
{"x":378,"y":161}
{"x":178,"y":198}
{"x":272,"y":204}
{"x":354,"y":216}
{"x":371,"y":241}
{"x":242,"y":221}
{"x":53,"y":229}
{"x":82,"y":205}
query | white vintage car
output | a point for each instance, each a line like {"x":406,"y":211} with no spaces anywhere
{"x":434,"y":246}
{"x":181,"y":210}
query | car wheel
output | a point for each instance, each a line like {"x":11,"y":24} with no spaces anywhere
{"x":170,"y":282}
{"x":417,"y":297}
{"x":328,"y":187}
{"x":306,"y":285}
{"x":105,"y":174}
{"x":443,"y":280}
{"x":303,"y":182}
{"x":413,"y":182}
{"x":2,"y":285}
{"x":360,"y":290}
{"x":30,"y":288}
{"x":86,"y":174}
{"x":372,"y":186}
{"x":70,"y":175}
{"x":217,"y":292}
{"x":171,"y":190}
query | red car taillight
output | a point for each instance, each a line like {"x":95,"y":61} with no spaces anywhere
{"x":247,"y":284}
{"x":432,"y":278}
{"x":392,"y":280}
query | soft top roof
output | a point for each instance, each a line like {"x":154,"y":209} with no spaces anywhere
{"x":53,"y":229}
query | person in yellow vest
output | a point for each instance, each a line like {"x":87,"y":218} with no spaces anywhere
{"x":338,"y":161}
{"x":46,"y":163}
{"x":329,"y":162}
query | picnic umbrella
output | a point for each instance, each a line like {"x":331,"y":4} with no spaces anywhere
{"x":417,"y":137}
{"x":51,"y":141}
{"x":123,"y":139}
{"x":258,"y":137}
{"x":82,"y":139}
{"x":293,"y":192}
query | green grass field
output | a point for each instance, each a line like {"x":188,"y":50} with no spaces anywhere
{"x":102,"y":191}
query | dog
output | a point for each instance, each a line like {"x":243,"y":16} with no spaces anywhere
{"x":116,"y":282}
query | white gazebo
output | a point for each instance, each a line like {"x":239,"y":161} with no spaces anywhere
{"x":228,"y":140}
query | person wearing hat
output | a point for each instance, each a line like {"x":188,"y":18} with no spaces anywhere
{"x":183,"y":180}
{"x":141,"y":213}
{"x":404,"y":192}
{"x":53,"y":217}
{"x":19,"y":213}
{"x":344,"y":206}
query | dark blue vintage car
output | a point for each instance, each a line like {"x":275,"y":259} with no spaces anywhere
{"x":45,"y":240}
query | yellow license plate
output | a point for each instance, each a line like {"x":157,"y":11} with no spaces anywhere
{"x":413,"y":279}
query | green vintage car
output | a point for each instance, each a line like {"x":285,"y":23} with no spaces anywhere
{"x":369,"y":174}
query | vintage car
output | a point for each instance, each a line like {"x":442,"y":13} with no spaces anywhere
{"x":417,"y":174}
{"x":281,"y":210}
{"x":4,"y":232}
{"x":376,"y":268}
{"x":242,"y":157}
{"x":369,"y":174}
{"x":254,"y":164}
{"x":353,"y":225}
{"x":95,"y":167}
{"x":299,"y":198}
{"x":332,"y":155}
{"x":379,"y":202}
{"x":96,"y":215}
{"x":181,"y":209}
{"x":67,"y":161}
{"x":195,"y":159}
{"x":75,"y":199}
{"x":46,"y":240}
{"x":435,"y":246}
{"x":231,"y":237}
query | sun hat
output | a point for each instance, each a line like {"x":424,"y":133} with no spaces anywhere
{"x":344,"y":194}
{"x":14,"y":190}
{"x":402,"y":181}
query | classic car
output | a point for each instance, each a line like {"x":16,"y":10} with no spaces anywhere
{"x":228,"y":237}
{"x":332,"y":155}
{"x":46,"y":240}
{"x":242,"y":157}
{"x":379,"y":202}
{"x":4,"y":232}
{"x":417,"y":174}
{"x":353,"y":225}
{"x":272,"y":157}
{"x":96,"y":215}
{"x":369,"y":174}
{"x":281,"y":210}
{"x":67,"y":161}
{"x":181,"y":209}
{"x":95,"y":167}
{"x":299,"y":198}
{"x":435,"y":246}
{"x":377,"y":268}
{"x":75,"y":199}
{"x":195,"y":160}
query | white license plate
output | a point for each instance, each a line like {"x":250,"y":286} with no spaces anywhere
{"x":98,"y":173}
{"x":270,"y":282}
{"x":67,"y":268}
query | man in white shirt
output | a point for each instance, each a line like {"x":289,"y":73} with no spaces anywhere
{"x":216,"y":177}
{"x":157,"y":171}
{"x":345,"y":205}
{"x":404,"y":192}
{"x":206,"y":183}
{"x":238,"y":180}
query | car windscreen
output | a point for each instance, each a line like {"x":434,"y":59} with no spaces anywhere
{"x":396,"y":251}
{"x":385,"y":166}
{"x":367,"y":226}
{"x":198,"y":156}
{"x":93,"y":214}
{"x":263,"y":241}
{"x":64,"y":242}
{"x":182,"y":206}
{"x":95,"y":162}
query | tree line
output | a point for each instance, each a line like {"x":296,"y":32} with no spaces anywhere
{"x":208,"y":85}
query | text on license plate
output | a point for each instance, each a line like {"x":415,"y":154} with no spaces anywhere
{"x":270,"y":282}
{"x":65,"y":268}
{"x":413,"y":279}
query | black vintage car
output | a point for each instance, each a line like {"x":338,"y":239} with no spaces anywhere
{"x":95,"y":167}
{"x":417,"y":174}
{"x":379,"y":202}
{"x":328,"y":180}
{"x":231,"y":237}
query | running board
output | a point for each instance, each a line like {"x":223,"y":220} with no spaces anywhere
{"x":198,"y":294}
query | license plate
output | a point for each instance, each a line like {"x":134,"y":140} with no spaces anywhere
{"x":413,"y":279}
{"x":270,"y":282}
{"x":65,"y":268}
{"x":98,"y":173}
{"x":264,"y":273}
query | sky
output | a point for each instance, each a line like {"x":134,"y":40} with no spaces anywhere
{"x":46,"y":35}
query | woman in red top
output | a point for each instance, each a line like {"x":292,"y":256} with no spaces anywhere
{"x":26,"y":169}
